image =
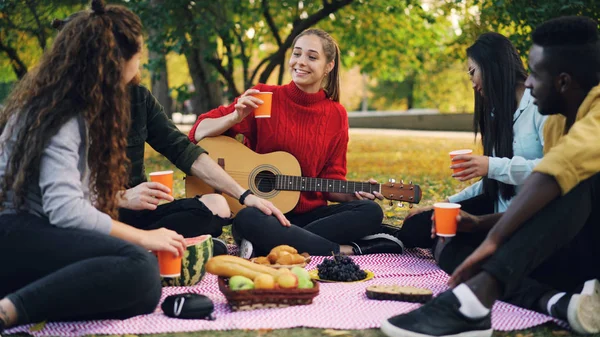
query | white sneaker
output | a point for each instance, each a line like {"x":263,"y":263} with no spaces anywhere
{"x":584,"y":309}
{"x":246,"y":249}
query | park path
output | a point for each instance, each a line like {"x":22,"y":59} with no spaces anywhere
{"x":185,"y":128}
{"x":412,"y":133}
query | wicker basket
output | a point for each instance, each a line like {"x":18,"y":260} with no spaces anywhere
{"x":266,"y":298}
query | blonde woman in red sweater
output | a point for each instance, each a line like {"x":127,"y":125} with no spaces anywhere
{"x":307,"y":121}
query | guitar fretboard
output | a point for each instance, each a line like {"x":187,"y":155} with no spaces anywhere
{"x":294,"y":183}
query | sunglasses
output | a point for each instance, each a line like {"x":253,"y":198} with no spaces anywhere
{"x":471,"y":72}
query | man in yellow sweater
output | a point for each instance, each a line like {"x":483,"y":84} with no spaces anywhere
{"x":548,"y":237}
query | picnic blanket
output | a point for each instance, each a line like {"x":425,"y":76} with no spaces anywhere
{"x":338,"y":305}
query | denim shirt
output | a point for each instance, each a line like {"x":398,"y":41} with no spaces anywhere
{"x":528,"y":150}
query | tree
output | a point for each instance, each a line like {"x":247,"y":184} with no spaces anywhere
{"x":25,"y":30}
{"x":400,"y":43}
{"x":518,"y":18}
{"x":222,"y":39}
{"x":158,"y":65}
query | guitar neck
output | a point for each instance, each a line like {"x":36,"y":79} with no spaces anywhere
{"x":305,"y":184}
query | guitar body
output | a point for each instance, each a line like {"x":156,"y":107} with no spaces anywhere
{"x":251,"y":170}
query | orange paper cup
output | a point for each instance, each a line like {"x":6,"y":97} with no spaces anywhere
{"x":263,"y":110}
{"x":445,"y":218}
{"x":163,"y":177}
{"x":168,"y":264}
{"x":456,"y":153}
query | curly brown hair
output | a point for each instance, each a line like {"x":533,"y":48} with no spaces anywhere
{"x":80,"y":75}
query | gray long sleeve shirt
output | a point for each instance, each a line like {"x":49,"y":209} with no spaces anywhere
{"x":61,"y":192}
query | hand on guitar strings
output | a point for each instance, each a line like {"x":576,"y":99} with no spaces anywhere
{"x":246,"y":104}
{"x":361,"y":195}
{"x":266,"y":207}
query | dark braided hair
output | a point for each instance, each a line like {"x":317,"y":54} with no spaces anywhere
{"x":80,"y":75}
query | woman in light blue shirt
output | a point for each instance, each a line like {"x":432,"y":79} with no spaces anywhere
{"x":511,"y":132}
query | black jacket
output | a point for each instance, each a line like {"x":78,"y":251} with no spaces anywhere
{"x":150,"y":124}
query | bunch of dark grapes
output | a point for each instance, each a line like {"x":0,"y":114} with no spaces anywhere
{"x":340,"y":268}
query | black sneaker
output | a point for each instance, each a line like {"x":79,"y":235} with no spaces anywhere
{"x":377,"y":244}
{"x":389,"y":229}
{"x":439,"y":317}
{"x":219,"y":247}
{"x":581,"y":310}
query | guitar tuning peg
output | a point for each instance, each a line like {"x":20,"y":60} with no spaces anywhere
{"x":400,"y":205}
{"x":410,"y":182}
{"x":392,"y":181}
{"x":402,"y":181}
{"x":391,"y":203}
{"x":410,"y":205}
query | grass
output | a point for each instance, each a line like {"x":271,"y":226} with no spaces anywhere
{"x":422,"y":160}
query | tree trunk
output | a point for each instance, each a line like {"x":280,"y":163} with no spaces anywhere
{"x":410,"y":97}
{"x":364,"y":106}
{"x":159,"y":75}
{"x":208,"y":91}
{"x":16,"y":63}
{"x":160,"y":82}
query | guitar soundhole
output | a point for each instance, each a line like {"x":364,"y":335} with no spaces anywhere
{"x":265,"y":181}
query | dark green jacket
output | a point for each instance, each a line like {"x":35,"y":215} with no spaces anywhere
{"x":150,"y":124}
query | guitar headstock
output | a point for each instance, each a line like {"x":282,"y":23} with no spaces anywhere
{"x":401,"y":191}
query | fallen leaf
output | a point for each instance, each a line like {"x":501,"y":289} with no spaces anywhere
{"x":526,"y":335}
{"x":263,"y":331}
{"x":334,"y":333}
{"x":38,"y":327}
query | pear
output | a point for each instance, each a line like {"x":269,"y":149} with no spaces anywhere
{"x":304,"y":280}
{"x":239,"y":282}
{"x":305,"y":284}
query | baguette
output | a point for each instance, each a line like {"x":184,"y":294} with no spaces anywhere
{"x":228,"y":269}
{"x":226,"y":265}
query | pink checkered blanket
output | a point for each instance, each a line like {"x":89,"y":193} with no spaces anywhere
{"x":338,"y":305}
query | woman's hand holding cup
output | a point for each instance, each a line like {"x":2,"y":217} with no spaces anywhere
{"x":246,"y":104}
{"x":163,"y":239}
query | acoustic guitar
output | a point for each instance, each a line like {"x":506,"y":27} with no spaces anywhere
{"x":277,"y":177}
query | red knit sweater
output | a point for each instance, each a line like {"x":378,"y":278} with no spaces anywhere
{"x":311,"y":127}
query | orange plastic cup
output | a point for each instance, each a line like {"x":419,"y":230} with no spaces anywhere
{"x":445,"y":218}
{"x":168,"y":264}
{"x":456,"y":153}
{"x":264,"y":110}
{"x":163,"y":177}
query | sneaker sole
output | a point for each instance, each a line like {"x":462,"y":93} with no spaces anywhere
{"x":583,"y":312}
{"x":393,"y":331}
{"x":384,"y":236}
{"x":246,"y":249}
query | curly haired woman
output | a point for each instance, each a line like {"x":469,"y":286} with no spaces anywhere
{"x":62,"y":161}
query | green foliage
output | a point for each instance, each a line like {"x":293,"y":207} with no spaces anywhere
{"x":25,"y":31}
{"x":5,"y":88}
{"x":232,"y":36}
{"x":517,"y":18}
{"x":403,"y":44}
